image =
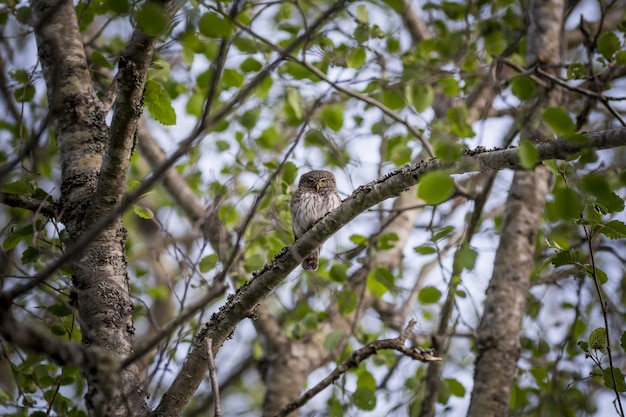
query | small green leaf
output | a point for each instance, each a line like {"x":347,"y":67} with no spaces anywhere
{"x":598,"y":186}
{"x":151,"y":18}
{"x":119,"y":6}
{"x":576,"y":71}
{"x":250,"y":65}
{"x":523,"y":87}
{"x":364,"y":399}
{"x":456,"y":388}
{"x":429,"y":295}
{"x":435,"y":187}
{"x":528,"y":154}
{"x":374,"y":286}
{"x":294,"y":101}
{"x":559,"y":121}
{"x":356,"y":58}
{"x":358,"y":239}
{"x":159,"y":103}
{"x":100,"y":60}
{"x":332,"y":340}
{"x":208,"y":263}
{"x":442,"y":233}
{"x":143,"y":212}
{"x":608,"y":44}
{"x":567,"y":257}
{"x":289,"y":172}
{"x":25,"y":93}
{"x":366,"y":380}
{"x":614,"y":229}
{"x":362,"y":14}
{"x":212,"y":25}
{"x":332,"y":117}
{"x":347,"y":302}
{"x":17,"y":187}
{"x":232,"y":78}
{"x":567,"y":203}
{"x":339,"y":272}
{"x":59,"y":310}
{"x":425,"y":249}
{"x":619,"y":379}
{"x":465,"y":258}
{"x":597,"y":339}
{"x":422,"y":96}
{"x":387,"y":241}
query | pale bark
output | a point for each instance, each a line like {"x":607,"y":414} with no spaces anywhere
{"x":498,"y":343}
{"x":94,"y":163}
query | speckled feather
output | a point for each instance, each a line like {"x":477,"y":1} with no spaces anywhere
{"x":315,"y":197}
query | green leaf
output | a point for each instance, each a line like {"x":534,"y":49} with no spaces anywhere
{"x":17,"y":235}
{"x":356,"y":58}
{"x":119,"y":6}
{"x":576,"y":71}
{"x":358,"y":239}
{"x":567,"y":203}
{"x":253,"y":262}
{"x":387,"y":241}
{"x":250,"y":65}
{"x":24,"y":94}
{"x":619,"y":379}
{"x":597,"y":339}
{"x":620,"y":58}
{"x":294,"y":100}
{"x":347,"y":302}
{"x":448,"y":150}
{"x":600,"y":275}
{"x":232,"y":78}
{"x":100,"y":60}
{"x":429,"y":295}
{"x":425,"y":249}
{"x":614,"y":229}
{"x":366,"y":380}
{"x":59,"y":310}
{"x":608,"y":44}
{"x":456,"y":388}
{"x":143,"y":212}
{"x":523,"y":87}
{"x":598,"y":186}
{"x":208,"y":263}
{"x":421,"y":97}
{"x":364,"y":399}
{"x":362,"y":14}
{"x":528,"y":154}
{"x":17,"y":187}
{"x":159,"y":103}
{"x":559,"y":121}
{"x":567,"y":257}
{"x":435,"y":187}
{"x":465,"y":258}
{"x":152,"y":19}
{"x":212,"y":25}
{"x":442,"y":233}
{"x":269,"y":138}
{"x":289,"y":172}
{"x":332,"y":340}
{"x":332,"y":117}
{"x":339,"y":272}
{"x":375,"y":286}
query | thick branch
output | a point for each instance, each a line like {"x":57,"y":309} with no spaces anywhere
{"x":47,"y":208}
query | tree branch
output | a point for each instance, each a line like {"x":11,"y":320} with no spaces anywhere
{"x":355,"y":359}
{"x":47,"y":208}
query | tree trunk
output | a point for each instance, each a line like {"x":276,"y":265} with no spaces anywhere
{"x":498,"y":343}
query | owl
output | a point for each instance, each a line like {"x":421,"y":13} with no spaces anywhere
{"x":316,"y":195}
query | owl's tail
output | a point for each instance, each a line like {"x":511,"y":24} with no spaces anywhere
{"x":310,"y":263}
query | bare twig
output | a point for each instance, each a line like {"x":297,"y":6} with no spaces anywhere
{"x":217,"y":405}
{"x":356,"y":358}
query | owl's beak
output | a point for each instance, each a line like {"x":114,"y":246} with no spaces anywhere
{"x":317,"y":186}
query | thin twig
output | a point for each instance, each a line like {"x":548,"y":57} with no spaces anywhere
{"x":605,"y":315}
{"x":356,"y":358}
{"x":217,"y":404}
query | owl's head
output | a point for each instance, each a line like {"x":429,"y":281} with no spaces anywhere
{"x":318,"y":180}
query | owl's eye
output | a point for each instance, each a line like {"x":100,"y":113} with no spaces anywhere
{"x":322,"y":182}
